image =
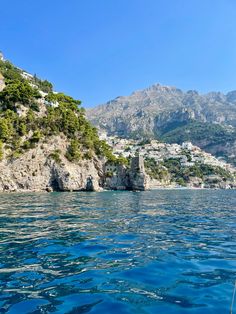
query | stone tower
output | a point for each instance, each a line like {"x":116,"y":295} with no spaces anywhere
{"x":137,"y":164}
{"x":137,"y":176}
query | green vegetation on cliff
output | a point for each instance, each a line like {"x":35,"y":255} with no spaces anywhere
{"x":26,"y":118}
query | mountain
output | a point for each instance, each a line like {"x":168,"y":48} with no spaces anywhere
{"x":169,"y":114}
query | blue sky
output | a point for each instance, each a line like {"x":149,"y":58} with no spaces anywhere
{"x":96,"y":50}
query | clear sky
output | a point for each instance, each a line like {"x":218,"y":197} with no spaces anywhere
{"x":96,"y":50}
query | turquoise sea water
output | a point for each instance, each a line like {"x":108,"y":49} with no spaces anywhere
{"x":118,"y":252}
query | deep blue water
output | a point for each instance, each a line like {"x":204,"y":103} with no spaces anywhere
{"x":118,"y":252}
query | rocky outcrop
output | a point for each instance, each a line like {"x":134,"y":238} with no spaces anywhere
{"x":133,"y":178}
{"x":138,"y":178}
{"x":119,"y":180}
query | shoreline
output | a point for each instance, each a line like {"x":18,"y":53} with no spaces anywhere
{"x":115,"y":190}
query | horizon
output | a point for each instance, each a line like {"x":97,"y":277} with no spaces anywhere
{"x":96,"y":52}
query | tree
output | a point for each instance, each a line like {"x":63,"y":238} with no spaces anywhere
{"x":17,"y":91}
{"x":73,"y":152}
{"x":1,"y":150}
{"x":6,"y":129}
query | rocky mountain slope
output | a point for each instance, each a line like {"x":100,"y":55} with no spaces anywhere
{"x":169,"y":114}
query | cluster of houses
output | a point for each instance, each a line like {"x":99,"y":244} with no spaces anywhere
{"x":186,"y":153}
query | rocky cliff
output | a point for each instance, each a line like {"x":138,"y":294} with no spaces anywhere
{"x":172,"y":115}
{"x":46,"y":142}
{"x":37,"y":170}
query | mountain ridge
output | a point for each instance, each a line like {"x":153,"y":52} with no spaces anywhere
{"x":155,"y":111}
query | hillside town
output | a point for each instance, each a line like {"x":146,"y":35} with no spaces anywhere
{"x":186,"y":156}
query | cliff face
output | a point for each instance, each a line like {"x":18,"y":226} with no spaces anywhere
{"x":154,"y":108}
{"x":174,"y":116}
{"x":46,"y":143}
{"x":36,"y":170}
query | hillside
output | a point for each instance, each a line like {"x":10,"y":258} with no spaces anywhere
{"x":46,"y":142}
{"x":169,"y":114}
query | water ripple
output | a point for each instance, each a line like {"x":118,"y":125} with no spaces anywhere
{"x":117,"y":252}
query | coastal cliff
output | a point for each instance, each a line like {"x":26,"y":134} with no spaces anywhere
{"x":38,"y":170}
{"x":46,"y":142}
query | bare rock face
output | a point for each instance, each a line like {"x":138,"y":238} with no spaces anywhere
{"x":37,"y":171}
{"x":152,"y":109}
{"x":138,"y":181}
{"x":118,"y":181}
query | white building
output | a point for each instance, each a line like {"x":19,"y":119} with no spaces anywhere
{"x":27,"y":76}
{"x":187,"y":145}
{"x":1,"y":56}
{"x":53,"y":104}
{"x":2,"y":83}
{"x":102,"y":135}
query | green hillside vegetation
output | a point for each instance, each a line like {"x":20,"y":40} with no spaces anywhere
{"x":197,"y":131}
{"x":68,"y":118}
{"x":205,"y":135}
{"x":182,"y":175}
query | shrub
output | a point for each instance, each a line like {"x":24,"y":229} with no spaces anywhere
{"x":73,"y":153}
{"x":181,"y":182}
{"x":6,"y":129}
{"x":17,"y":91}
{"x":55,"y":155}
{"x":1,"y":150}
{"x":36,"y":137}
